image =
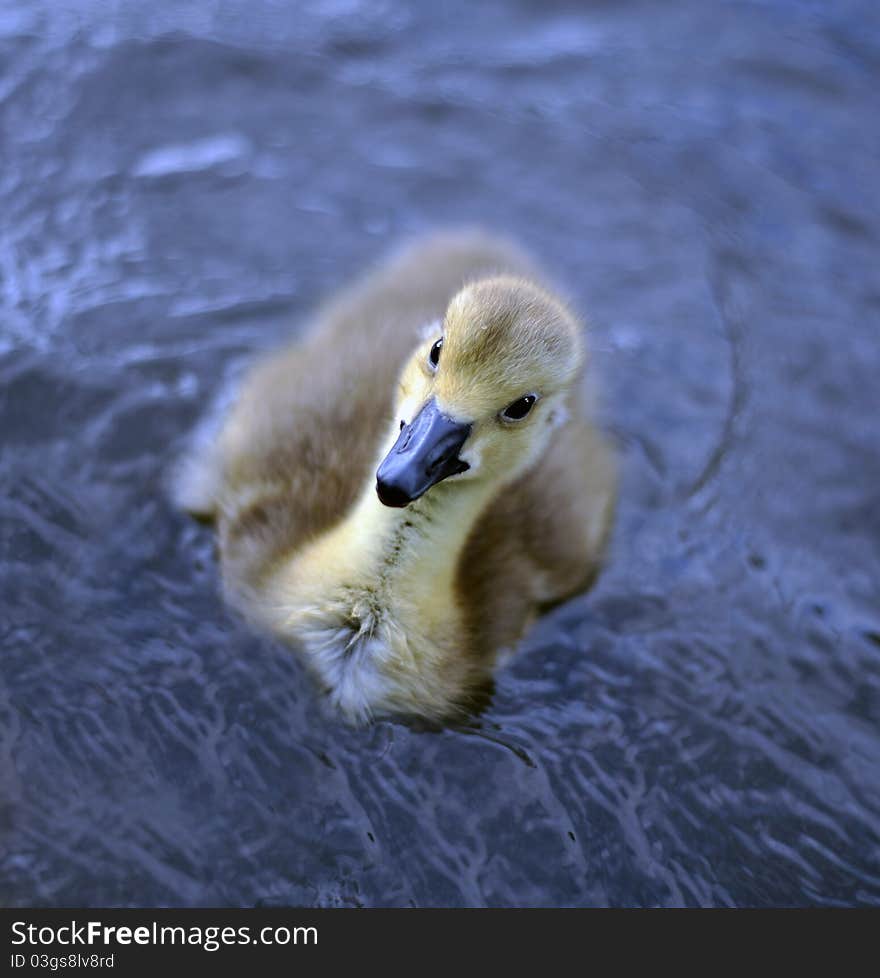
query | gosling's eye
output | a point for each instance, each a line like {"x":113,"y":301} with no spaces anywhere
{"x":519,"y":409}
{"x":434,"y":355}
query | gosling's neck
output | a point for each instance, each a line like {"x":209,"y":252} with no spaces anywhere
{"x":412,"y":554}
{"x":382,"y":562}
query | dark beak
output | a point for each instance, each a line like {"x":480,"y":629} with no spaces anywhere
{"x":425,"y":453}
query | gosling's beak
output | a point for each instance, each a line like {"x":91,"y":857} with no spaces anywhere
{"x":425,"y":453}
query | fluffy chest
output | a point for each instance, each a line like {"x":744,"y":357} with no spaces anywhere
{"x":372,"y":607}
{"x":372,"y":659}
{"x":353,"y":647}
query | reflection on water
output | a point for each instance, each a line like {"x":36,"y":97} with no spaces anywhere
{"x":179,"y":186}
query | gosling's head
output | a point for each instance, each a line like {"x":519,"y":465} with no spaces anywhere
{"x":482,"y":394}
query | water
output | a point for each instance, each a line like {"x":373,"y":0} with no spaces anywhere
{"x":179,"y":185}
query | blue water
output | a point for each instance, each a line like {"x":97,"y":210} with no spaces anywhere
{"x":180,"y":183}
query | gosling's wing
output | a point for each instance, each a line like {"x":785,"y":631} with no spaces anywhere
{"x":567,"y":524}
{"x":542,"y":540}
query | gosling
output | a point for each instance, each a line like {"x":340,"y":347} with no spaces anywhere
{"x":400,"y":492}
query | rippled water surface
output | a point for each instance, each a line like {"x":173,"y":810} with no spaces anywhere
{"x":180,"y":183}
